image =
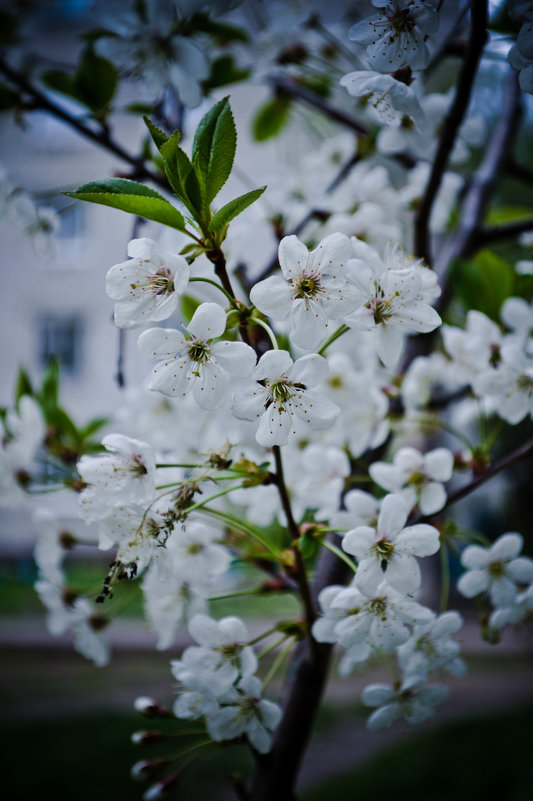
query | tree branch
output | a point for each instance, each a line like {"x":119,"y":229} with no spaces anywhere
{"x":497,"y":467}
{"x":452,"y":123}
{"x":467,"y":238}
{"x":101,"y":137}
{"x":292,"y":88}
{"x":510,"y":230}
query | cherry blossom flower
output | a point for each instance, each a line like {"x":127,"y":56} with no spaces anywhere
{"x":388,"y":550}
{"x":416,"y":477}
{"x":314,"y":289}
{"x":381,"y":620}
{"x":123,"y":475}
{"x":147,"y":286}
{"x":498,"y":570}
{"x":243,"y":711}
{"x":387,"y":100}
{"x":396,"y":35}
{"x":413,"y":701}
{"x":24,"y":433}
{"x":74,"y":614}
{"x":195,"y":553}
{"x":431,"y":649}
{"x":197,"y":363}
{"x":391,"y":299}
{"x":170,"y":599}
{"x":285,"y":389}
{"x":510,"y":385}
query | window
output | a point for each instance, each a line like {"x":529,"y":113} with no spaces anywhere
{"x":61,"y":337}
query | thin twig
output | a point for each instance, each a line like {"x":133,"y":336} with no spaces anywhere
{"x":100,"y":137}
{"x":497,"y":467}
{"x":510,"y":230}
{"x":294,"y":89}
{"x":451,"y":125}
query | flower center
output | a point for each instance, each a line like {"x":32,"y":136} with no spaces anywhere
{"x":402,"y":21}
{"x":308,"y":286}
{"x":496,"y":569}
{"x":378,"y":606}
{"x":198,"y":351}
{"x":138,"y":465}
{"x":161,"y":283}
{"x":194,"y":548}
{"x":281,"y":391}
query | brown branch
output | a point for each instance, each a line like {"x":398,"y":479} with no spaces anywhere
{"x":497,"y":467}
{"x":466,"y":239}
{"x":294,"y":89}
{"x":476,"y":199}
{"x":301,"y":572}
{"x":452,"y":123}
{"x":314,"y":213}
{"x":510,"y":230}
{"x":101,"y":137}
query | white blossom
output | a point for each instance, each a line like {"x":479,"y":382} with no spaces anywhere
{"x":124,"y":474}
{"x":284,"y":390}
{"x":498,"y":570}
{"x":431,"y":649}
{"x":388,"y":551}
{"x":244,"y":712}
{"x":396,"y":35}
{"x":417,"y":477}
{"x":197,"y":364}
{"x":413,"y":701}
{"x":391,"y":299}
{"x":146,"y":287}
{"x":314,"y":289}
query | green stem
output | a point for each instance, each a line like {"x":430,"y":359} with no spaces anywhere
{"x":333,"y":548}
{"x":200,"y":504}
{"x":235,"y":594}
{"x":218,"y":286}
{"x":271,"y":334}
{"x":388,"y":664}
{"x":268,"y":648}
{"x":246,"y":528}
{"x":262,"y":636}
{"x":437,"y":422}
{"x":277,"y":663}
{"x":335,"y":335}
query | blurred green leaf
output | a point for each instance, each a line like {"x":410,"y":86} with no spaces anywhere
{"x":224,"y":71}
{"x":23,"y":385}
{"x":221,"y":31}
{"x":271,"y":118}
{"x":188,"y":306}
{"x":49,"y":392}
{"x":132,"y":197}
{"x":498,"y":215}
{"x":484,"y":282}
{"x":93,"y":84}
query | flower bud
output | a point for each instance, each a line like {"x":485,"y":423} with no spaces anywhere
{"x":150,"y":708}
{"x":147,"y":737}
{"x":160,"y":789}
{"x":145,"y":769}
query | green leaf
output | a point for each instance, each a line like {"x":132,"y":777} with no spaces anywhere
{"x":499,"y":215}
{"x":160,"y":138}
{"x":233,"y":209}
{"x":130,"y":196}
{"x":221,"y":31}
{"x":96,"y":79}
{"x":224,"y":71}
{"x":139,"y":108}
{"x":271,"y":118}
{"x":214,"y":148}
{"x":23,"y":385}
{"x":93,"y":426}
{"x":484,"y":282}
{"x":50,"y":384}
{"x":93,"y":84}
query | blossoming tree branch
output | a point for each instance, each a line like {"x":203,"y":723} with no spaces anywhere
{"x":306,"y":417}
